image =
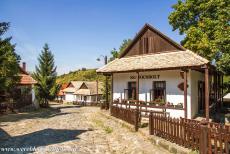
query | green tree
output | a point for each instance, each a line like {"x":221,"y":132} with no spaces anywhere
{"x":9,"y":61}
{"x":115,"y":53}
{"x":205,"y":25}
{"x":45,"y":74}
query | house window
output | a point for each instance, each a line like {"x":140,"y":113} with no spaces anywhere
{"x":159,"y":90}
{"x":132,"y":90}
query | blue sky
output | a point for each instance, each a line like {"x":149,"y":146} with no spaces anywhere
{"x":79,"y":31}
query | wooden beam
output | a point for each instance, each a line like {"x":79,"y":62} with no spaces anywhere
{"x":107,"y":93}
{"x":111,"y":91}
{"x":185,"y":93}
{"x":207,"y":93}
{"x":137,"y":87}
{"x":157,"y":69}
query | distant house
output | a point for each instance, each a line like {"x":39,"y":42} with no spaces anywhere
{"x":83,"y":91}
{"x":89,"y":92}
{"x":24,"y":93}
{"x":69,"y":91}
{"x":61,"y":94}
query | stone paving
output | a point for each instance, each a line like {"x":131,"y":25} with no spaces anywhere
{"x":71,"y":129}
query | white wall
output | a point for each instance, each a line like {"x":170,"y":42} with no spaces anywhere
{"x":195,"y":77}
{"x":70,"y":97}
{"x":173,"y":93}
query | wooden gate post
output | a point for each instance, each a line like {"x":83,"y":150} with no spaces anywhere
{"x":150,"y":123}
{"x":203,"y":137}
{"x":136,"y":119}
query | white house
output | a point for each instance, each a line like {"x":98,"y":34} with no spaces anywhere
{"x":156,"y":70}
{"x":70,"y":90}
{"x":89,"y":92}
{"x":83,"y":91}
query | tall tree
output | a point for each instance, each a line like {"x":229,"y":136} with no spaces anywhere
{"x":9,"y":61}
{"x":45,"y":74}
{"x":205,"y":25}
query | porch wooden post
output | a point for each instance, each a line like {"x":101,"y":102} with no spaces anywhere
{"x":111,"y":104}
{"x":137,"y":87}
{"x":185,"y":93}
{"x":137,"y":94}
{"x":218,"y":91}
{"x":207,"y":93}
{"x":107,"y":93}
{"x":203,"y":148}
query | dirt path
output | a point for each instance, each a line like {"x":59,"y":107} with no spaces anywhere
{"x":82,"y":130}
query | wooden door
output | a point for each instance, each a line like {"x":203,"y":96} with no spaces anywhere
{"x":201,"y":96}
{"x":132,"y":90}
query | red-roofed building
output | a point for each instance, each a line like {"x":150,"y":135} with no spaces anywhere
{"x":26,"y":79}
{"x":24,"y":92}
{"x":61,"y":94}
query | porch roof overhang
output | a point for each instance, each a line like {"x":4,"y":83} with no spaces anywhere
{"x":158,"y":61}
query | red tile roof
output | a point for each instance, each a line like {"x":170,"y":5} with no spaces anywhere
{"x":63,"y":86}
{"x":26,"y":79}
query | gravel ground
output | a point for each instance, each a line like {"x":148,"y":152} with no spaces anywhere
{"x":70,"y":129}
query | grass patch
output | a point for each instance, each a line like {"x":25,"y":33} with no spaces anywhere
{"x":108,"y":129}
{"x":99,"y":123}
{"x":68,"y":103}
{"x":143,"y":125}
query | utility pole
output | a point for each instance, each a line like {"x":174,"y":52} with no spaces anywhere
{"x":106,"y":88}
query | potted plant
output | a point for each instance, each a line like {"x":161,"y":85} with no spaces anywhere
{"x":169,"y":104}
{"x":179,"y":105}
{"x":159,"y":102}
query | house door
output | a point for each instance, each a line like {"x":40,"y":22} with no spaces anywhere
{"x":201,"y":97}
{"x":132,"y":90}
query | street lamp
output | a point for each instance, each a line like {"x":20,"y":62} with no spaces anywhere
{"x":106,"y":82}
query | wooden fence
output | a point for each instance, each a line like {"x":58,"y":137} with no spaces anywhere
{"x":129,"y":115}
{"x":218,"y":138}
{"x":205,"y":137}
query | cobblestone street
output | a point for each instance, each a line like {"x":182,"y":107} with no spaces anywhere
{"x":83,"y":130}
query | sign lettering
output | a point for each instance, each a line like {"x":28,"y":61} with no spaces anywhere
{"x":146,"y":77}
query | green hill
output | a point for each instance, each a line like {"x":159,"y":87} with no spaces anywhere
{"x":80,"y":75}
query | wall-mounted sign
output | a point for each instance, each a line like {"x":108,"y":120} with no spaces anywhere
{"x":181,"y":86}
{"x":146,"y":77}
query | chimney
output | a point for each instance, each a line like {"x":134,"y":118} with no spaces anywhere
{"x":24,"y":66}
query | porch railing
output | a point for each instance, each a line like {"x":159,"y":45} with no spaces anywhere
{"x":145,"y":107}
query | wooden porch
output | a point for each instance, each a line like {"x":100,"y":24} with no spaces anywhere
{"x":211,"y":97}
